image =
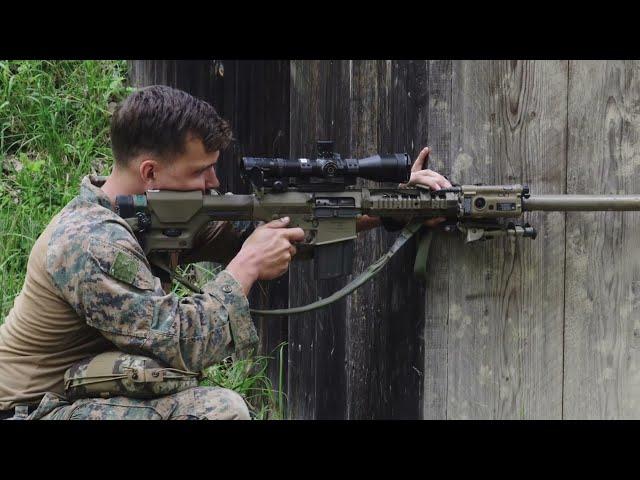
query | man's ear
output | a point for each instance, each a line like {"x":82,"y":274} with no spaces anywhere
{"x":148,"y":169}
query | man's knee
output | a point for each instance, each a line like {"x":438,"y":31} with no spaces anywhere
{"x":229,"y":404}
{"x":216,"y":403}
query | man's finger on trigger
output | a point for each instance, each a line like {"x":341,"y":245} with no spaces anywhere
{"x":294,"y":234}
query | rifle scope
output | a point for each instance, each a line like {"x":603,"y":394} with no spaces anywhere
{"x":391,"y":168}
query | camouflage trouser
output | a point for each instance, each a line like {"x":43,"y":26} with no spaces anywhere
{"x":197,"y":403}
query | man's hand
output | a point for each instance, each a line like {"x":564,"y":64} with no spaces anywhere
{"x":420,"y":175}
{"x":266,"y":253}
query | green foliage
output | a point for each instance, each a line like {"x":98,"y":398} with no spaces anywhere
{"x":249,"y":378}
{"x":54,"y":129}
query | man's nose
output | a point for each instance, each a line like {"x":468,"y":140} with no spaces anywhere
{"x":211,"y":179}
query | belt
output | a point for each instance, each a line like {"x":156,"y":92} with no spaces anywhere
{"x":20,"y":411}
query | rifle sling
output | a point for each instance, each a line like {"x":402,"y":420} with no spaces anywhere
{"x":365,"y":276}
{"x":419,"y":270}
{"x":424,"y":243}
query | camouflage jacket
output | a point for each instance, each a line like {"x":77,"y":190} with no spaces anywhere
{"x":100,"y":269}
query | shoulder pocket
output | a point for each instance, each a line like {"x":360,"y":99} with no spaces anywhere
{"x":121,"y":264}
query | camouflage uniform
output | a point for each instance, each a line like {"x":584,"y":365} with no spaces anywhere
{"x":97,"y":268}
{"x":197,"y":403}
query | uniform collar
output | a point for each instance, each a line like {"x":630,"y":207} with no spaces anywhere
{"x":90,"y":191}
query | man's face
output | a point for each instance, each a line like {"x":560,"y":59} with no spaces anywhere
{"x":192,"y":170}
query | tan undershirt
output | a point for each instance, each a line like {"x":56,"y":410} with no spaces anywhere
{"x":42,"y":336}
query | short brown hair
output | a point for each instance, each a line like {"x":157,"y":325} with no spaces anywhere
{"x":158,"y":120}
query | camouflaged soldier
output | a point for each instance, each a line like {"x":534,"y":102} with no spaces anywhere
{"x":90,"y":289}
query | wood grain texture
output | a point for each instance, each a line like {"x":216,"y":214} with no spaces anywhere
{"x":506,"y":296}
{"x":361,"y":358}
{"x":260,"y":121}
{"x":602,"y":335}
{"x":301,"y":365}
{"x":317,"y":379}
{"x":199,"y":78}
{"x":435,"y":120}
{"x":385,"y":316}
{"x":402,"y":308}
{"x":333,"y":124}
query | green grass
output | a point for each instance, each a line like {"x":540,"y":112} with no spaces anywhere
{"x":249,"y":378}
{"x":54,"y":130}
{"x":54,"y":125}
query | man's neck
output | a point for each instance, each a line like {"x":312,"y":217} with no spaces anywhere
{"x":120,"y":183}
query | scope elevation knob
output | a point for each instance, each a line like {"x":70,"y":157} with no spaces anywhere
{"x":329,"y":169}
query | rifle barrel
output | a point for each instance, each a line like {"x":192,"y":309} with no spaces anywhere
{"x":585,"y":203}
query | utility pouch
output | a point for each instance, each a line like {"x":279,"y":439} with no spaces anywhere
{"x":112,"y":374}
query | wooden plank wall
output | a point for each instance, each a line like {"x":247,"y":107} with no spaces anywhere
{"x":548,"y":328}
{"x":506,"y":298}
{"x":362,"y":358}
{"x":512,"y":329}
{"x":319,"y":110}
{"x":602,"y":321}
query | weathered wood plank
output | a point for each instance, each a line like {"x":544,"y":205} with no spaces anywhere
{"x":261,"y":124}
{"x":602,"y":342}
{"x":435,"y":121}
{"x":506,"y":296}
{"x":302,"y":359}
{"x":384,"y":316}
{"x":402,"y":306}
{"x":334,"y":124}
{"x":361,"y":340}
{"x":320,"y":111}
{"x":197,"y":77}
